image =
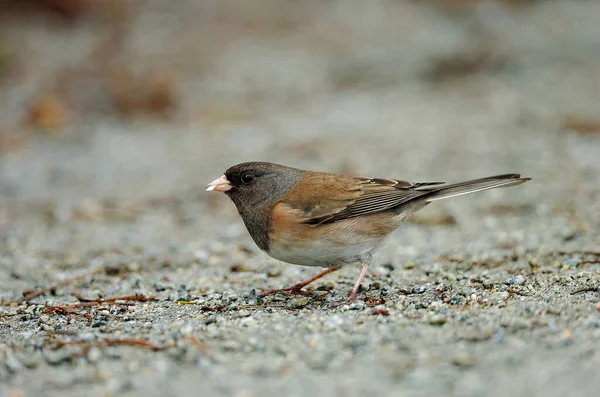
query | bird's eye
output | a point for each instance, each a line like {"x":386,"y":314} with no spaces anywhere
{"x":247,"y":178}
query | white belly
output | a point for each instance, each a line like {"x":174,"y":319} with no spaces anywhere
{"x":325,"y":253}
{"x":329,"y":245}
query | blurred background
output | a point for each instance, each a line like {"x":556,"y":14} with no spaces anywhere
{"x":117,"y":98}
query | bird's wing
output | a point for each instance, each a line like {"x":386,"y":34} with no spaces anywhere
{"x":348,"y":197}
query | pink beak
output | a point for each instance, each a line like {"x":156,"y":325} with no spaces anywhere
{"x":220,"y":184}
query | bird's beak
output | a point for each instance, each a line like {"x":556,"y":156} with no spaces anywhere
{"x":220,"y":184}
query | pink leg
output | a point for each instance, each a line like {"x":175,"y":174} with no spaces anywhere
{"x":354,"y":291}
{"x":296,"y":289}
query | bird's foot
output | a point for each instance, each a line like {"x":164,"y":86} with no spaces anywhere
{"x":346,"y":301}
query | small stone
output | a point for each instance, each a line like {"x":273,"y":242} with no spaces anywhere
{"x":567,"y":335}
{"x":553,"y":310}
{"x":300,"y":302}
{"x":516,"y":280}
{"x":570,"y":262}
{"x":357,"y":305}
{"x":13,"y":364}
{"x":45,"y":319}
{"x":375,"y":285}
{"x":498,"y":297}
{"x":94,"y":355}
{"x":419,"y":289}
{"x":437,"y":319}
{"x":158,"y":286}
{"x":231,"y":346}
{"x":334,"y":321}
{"x":487,"y":284}
{"x":46,"y":327}
{"x":520,"y":323}
{"x":273,"y":272}
{"x":498,"y":337}
{"x":457,"y":300}
{"x":598,"y":306}
{"x":464,"y":360}
{"x":55,"y":357}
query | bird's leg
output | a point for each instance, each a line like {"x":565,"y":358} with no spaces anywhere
{"x":296,"y":289}
{"x":366,"y":261}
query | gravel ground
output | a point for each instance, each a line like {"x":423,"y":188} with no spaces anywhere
{"x":473,"y":296}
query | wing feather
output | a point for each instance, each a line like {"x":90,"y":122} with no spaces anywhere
{"x":349,"y":197}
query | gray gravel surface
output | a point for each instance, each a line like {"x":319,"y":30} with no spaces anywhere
{"x":472,"y":297}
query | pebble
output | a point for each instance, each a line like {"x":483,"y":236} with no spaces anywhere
{"x":464,"y":359}
{"x":437,"y":319}
{"x":231,"y":346}
{"x":498,"y":297}
{"x":498,"y":337}
{"x":457,"y":300}
{"x":160,"y":286}
{"x":300,"y":302}
{"x":516,"y":280}
{"x":570,"y":262}
{"x":357,"y":305}
{"x":419,"y":289}
{"x":520,"y":323}
{"x":567,"y":335}
{"x":94,"y":354}
{"x":334,"y":321}
{"x":201,"y":256}
{"x":55,"y":357}
{"x":12,"y":363}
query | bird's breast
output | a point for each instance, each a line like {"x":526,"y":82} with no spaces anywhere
{"x":329,"y":245}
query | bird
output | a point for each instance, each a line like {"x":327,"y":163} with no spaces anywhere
{"x":328,"y":220}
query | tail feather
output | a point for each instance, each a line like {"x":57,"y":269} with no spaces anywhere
{"x":475,"y":185}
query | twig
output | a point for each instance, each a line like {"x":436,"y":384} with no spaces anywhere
{"x":64,"y":310}
{"x":587,"y":262}
{"x":198,"y":343}
{"x":108,"y":342}
{"x":485,"y":262}
{"x":137,"y":298}
{"x":219,"y":308}
{"x":78,"y":305}
{"x":10,"y":314}
{"x":516,"y":292}
{"x":244,"y":307}
{"x":63,"y":332}
{"x":593,"y":253}
{"x":586,"y":289}
{"x":407,"y":292}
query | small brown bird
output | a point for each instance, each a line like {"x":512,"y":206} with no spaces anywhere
{"x":320,"y":219}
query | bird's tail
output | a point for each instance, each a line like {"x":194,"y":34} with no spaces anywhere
{"x":475,"y":185}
